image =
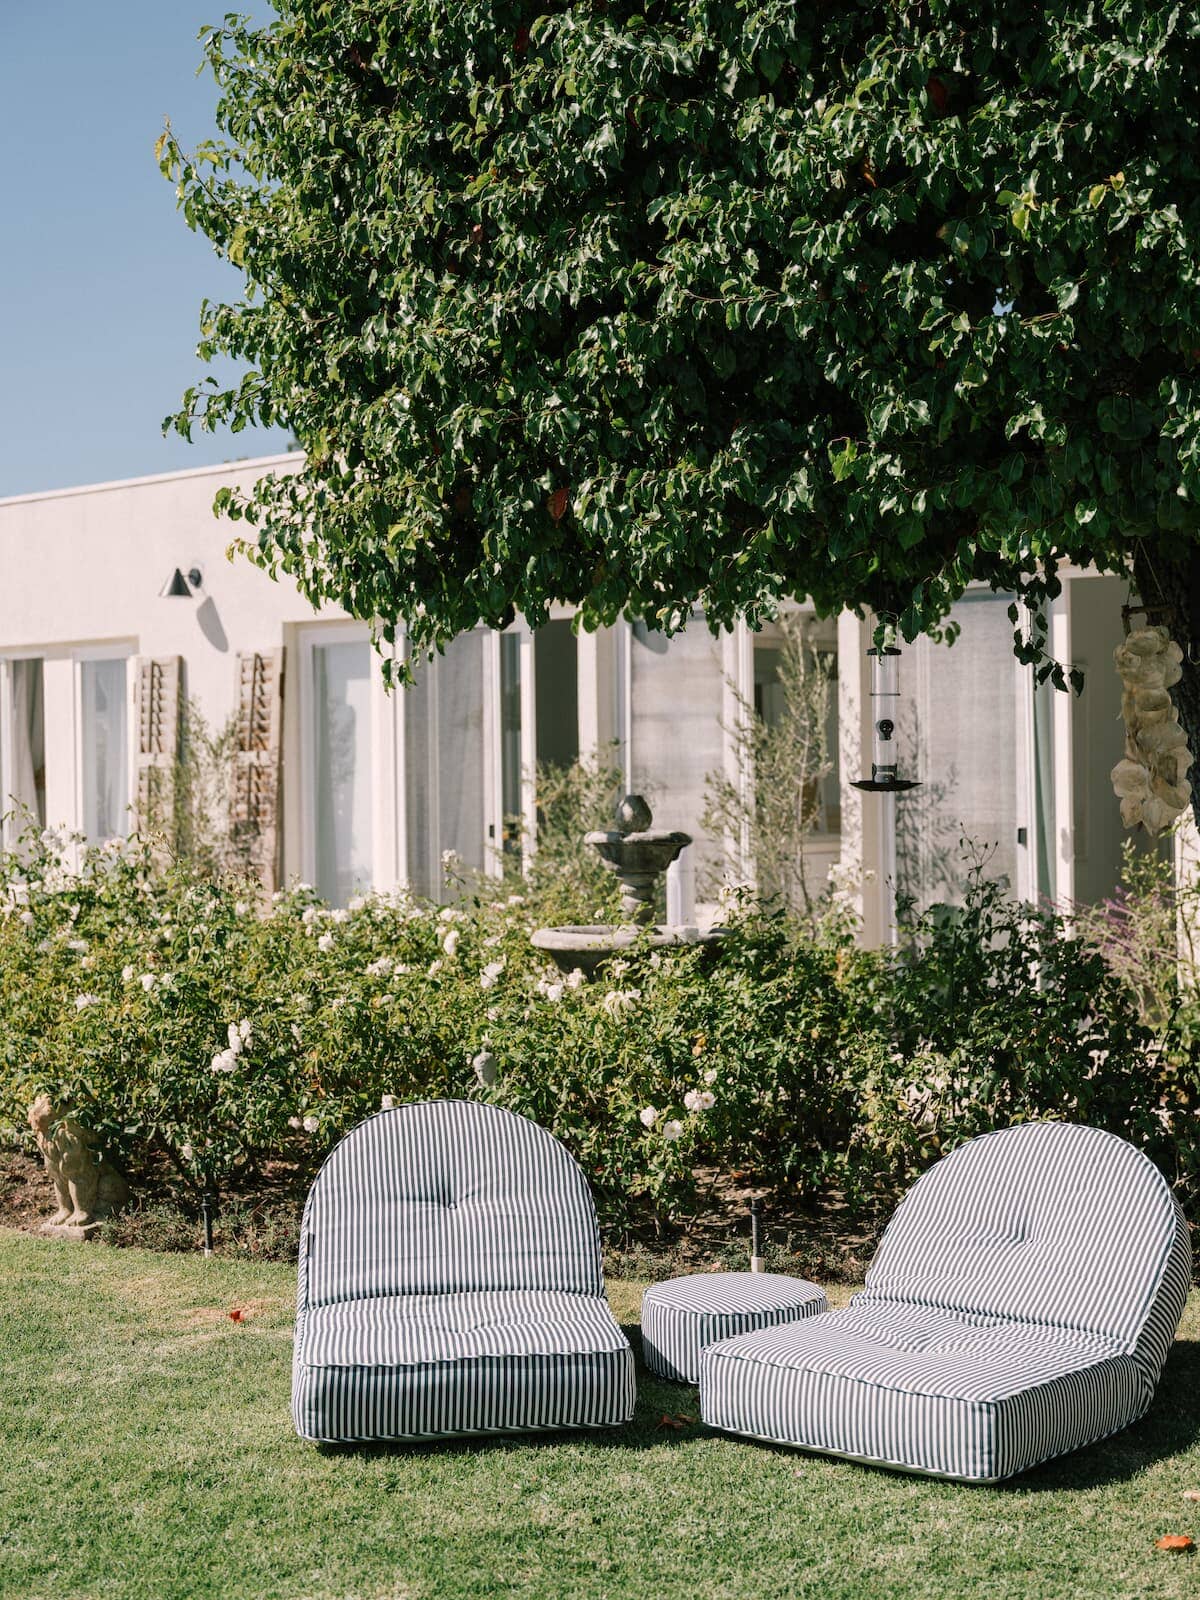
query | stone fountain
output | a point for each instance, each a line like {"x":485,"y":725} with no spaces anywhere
{"x":639,"y":855}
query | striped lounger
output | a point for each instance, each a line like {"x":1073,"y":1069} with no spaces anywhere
{"x":1021,"y":1304}
{"x":450,"y":1284}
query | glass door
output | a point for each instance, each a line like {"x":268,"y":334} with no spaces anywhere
{"x":342,"y":764}
{"x":104,"y":748}
{"x":22,"y":746}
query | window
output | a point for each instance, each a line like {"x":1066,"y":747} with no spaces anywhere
{"x":23,"y":747}
{"x":511,"y":798}
{"x":342,"y":768}
{"x":784,"y":696}
{"x":104,"y":749}
{"x":556,"y":689}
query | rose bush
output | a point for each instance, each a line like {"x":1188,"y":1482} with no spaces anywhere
{"x":197,"y":1031}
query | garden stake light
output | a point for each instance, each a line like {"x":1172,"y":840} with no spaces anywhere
{"x":208,"y":1202}
{"x":757,"y":1264}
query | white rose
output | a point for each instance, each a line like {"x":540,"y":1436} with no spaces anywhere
{"x":147,"y":981}
{"x":450,"y":942}
{"x":648,"y":1116}
{"x":311,"y":1124}
{"x":82,"y":1001}
{"x":325,"y":942}
{"x":387,"y":1102}
{"x":672,"y":1130}
{"x":699,"y":1100}
{"x":617,"y":1001}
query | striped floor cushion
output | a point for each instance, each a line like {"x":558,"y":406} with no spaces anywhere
{"x":923,"y":1390}
{"x":409,"y":1367}
{"x":449,"y":1282}
{"x":682,"y":1315}
{"x":1022,"y":1303}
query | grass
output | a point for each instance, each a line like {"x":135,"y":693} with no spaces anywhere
{"x":146,"y":1454}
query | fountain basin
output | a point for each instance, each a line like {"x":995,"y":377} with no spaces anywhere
{"x":589,"y":947}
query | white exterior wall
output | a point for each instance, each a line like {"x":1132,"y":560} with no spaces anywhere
{"x":84,"y":566}
{"x":80,"y":575}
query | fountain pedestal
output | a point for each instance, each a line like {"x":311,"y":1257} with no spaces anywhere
{"x":639,"y":855}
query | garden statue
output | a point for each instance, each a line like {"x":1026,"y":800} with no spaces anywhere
{"x":88,"y":1187}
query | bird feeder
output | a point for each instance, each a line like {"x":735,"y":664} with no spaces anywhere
{"x":885,"y":704}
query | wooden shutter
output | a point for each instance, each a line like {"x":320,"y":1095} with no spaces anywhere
{"x":255,"y":810}
{"x":158,"y":707}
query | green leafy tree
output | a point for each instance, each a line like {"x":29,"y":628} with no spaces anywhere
{"x":651,"y":305}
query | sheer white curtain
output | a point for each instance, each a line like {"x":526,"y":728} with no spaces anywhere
{"x":342,"y":768}
{"x":444,"y":760}
{"x":958,"y":736}
{"x":105,"y":749}
{"x":24,"y":783}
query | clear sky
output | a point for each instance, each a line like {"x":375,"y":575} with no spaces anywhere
{"x":100,"y":278}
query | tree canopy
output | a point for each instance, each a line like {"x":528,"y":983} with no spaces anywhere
{"x":647,"y":304}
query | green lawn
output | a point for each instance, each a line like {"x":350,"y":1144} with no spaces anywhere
{"x":146,"y":1451}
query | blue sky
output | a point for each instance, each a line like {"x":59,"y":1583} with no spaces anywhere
{"x":100,"y":278}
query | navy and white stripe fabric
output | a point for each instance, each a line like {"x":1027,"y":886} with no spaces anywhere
{"x":682,"y":1315}
{"x":1021,"y":1304}
{"x":450,"y":1283}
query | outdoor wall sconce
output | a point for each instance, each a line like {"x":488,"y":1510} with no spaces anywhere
{"x":885,"y":701}
{"x":179,"y":587}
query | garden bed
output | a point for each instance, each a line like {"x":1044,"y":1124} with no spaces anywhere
{"x":260,"y":1221}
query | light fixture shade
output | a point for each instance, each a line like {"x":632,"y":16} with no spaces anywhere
{"x":176,"y":587}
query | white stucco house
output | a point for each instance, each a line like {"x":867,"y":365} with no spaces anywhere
{"x":359,"y":786}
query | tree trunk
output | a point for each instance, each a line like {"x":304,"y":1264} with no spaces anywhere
{"x":1172,"y":581}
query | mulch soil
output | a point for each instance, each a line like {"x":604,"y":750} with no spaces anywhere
{"x":811,"y":1238}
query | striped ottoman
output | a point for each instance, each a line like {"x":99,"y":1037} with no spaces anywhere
{"x":683,"y":1315}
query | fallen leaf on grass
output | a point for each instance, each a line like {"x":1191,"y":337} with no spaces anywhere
{"x":677,"y":1421}
{"x":1191,"y":1494}
{"x":1175,"y":1541}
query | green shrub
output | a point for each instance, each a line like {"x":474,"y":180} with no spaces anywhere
{"x":195,"y":1032}
{"x":1001,"y":1014}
